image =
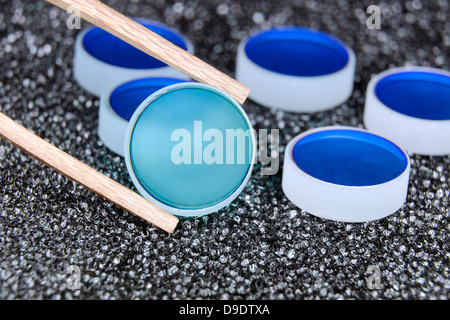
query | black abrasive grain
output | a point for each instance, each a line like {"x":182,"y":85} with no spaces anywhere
{"x":259,"y":247}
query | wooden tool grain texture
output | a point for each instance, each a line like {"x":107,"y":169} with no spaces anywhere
{"x":85,"y":175}
{"x":151,"y":43}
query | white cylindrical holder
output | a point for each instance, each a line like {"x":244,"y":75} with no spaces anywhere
{"x":296,"y":69}
{"x":102,"y":60}
{"x":345,"y":174}
{"x":411,"y":106}
{"x":117,"y":105}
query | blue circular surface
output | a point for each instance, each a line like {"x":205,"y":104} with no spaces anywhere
{"x":297,"y":51}
{"x":349,"y":157}
{"x":183,"y":149}
{"x":112,"y":50}
{"x":424,"y":95}
{"x":127,"y":97}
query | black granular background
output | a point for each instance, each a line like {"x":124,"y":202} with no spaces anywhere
{"x":259,"y":247}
